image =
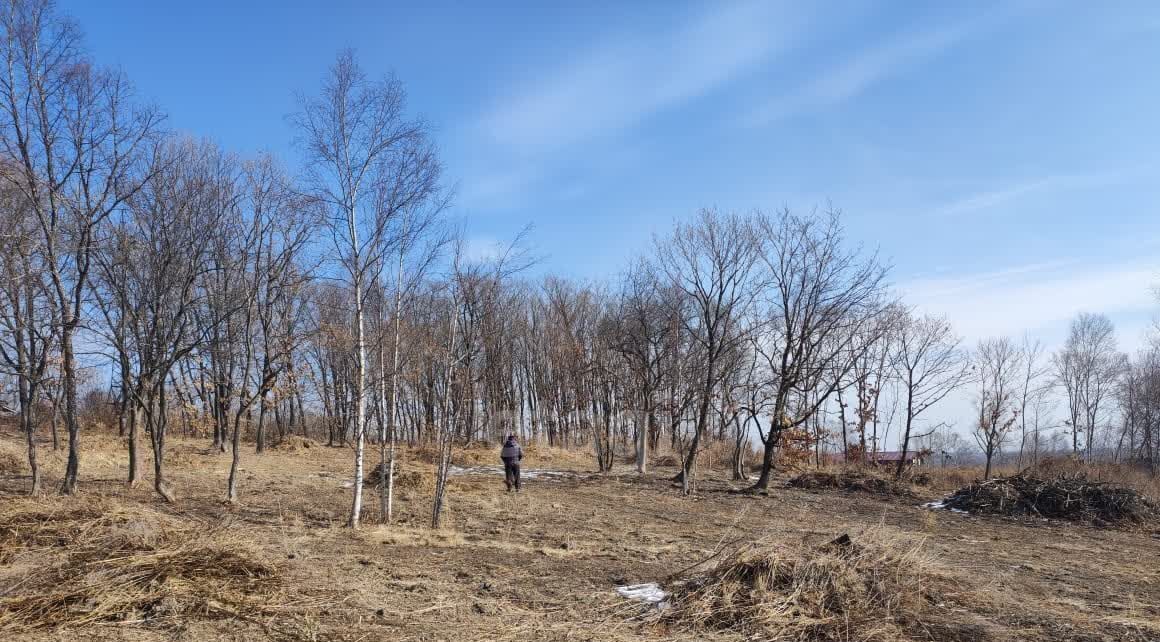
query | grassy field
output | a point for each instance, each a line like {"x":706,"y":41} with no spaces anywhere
{"x":117,"y":564}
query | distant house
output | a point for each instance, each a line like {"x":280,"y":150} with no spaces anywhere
{"x":892,"y":457}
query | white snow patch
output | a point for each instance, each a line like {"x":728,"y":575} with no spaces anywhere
{"x":941,"y":505}
{"x":651,"y":593}
{"x":550,"y":475}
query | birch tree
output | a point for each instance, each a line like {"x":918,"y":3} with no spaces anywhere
{"x":359,"y":145}
{"x":1087,"y":368}
{"x":1032,"y":388}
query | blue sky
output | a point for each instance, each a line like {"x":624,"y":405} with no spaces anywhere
{"x":1003,"y":155}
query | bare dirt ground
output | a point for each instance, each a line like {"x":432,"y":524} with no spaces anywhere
{"x":544,"y":564}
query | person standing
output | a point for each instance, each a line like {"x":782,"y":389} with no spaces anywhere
{"x":511,"y":456}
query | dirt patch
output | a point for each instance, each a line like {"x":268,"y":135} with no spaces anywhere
{"x":1071,"y":497}
{"x":852,"y":480}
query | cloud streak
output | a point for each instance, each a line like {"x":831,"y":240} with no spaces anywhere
{"x":619,"y":83}
{"x":990,"y":199}
{"x":875,"y":65}
{"x":1035,"y":297}
{"x":853,"y":77}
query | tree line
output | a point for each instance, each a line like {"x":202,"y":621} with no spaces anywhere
{"x":246,"y":302}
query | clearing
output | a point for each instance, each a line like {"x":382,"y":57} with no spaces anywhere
{"x":544,"y":564}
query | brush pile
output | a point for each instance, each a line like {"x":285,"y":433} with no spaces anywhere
{"x":87,"y":562}
{"x":873,"y":587}
{"x":851,"y":480}
{"x":405,"y":479}
{"x":1066,"y":496}
{"x":295,"y":443}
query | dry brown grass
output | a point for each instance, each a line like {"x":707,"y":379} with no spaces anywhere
{"x":83,"y":562}
{"x":874,"y":586}
{"x":12,"y":464}
{"x":540,"y":565}
{"x":950,"y":478}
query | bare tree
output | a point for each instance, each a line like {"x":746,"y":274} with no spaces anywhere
{"x":77,"y":141}
{"x":164,"y":241}
{"x":999,"y":363}
{"x":823,"y":301}
{"x":360,"y":147}
{"x":712,"y":260}
{"x":1139,"y":400}
{"x":266,"y":239}
{"x":1087,"y":368}
{"x":929,"y":366}
{"x":414,"y":201}
{"x":27,"y":317}
{"x":640,"y":337}
{"x":1032,"y":389}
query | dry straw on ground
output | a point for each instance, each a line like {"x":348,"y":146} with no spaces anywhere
{"x":105,"y":562}
{"x":874,"y":586}
{"x":12,"y":464}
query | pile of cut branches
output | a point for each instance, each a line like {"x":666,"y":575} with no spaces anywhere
{"x":1065,"y":496}
{"x":852,"y":480}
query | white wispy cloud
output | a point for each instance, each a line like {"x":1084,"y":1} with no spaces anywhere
{"x":495,"y":188}
{"x":617,"y":83}
{"x":482,"y":248}
{"x":876,"y":64}
{"x":993,"y":198}
{"x":854,"y":76}
{"x":1036,"y":297}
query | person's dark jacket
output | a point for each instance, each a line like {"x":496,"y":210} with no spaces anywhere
{"x":511,"y":451}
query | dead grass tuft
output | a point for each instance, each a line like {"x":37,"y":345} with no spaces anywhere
{"x":12,"y":464}
{"x":876,"y":586}
{"x":101,"y":562}
{"x":950,"y":478}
